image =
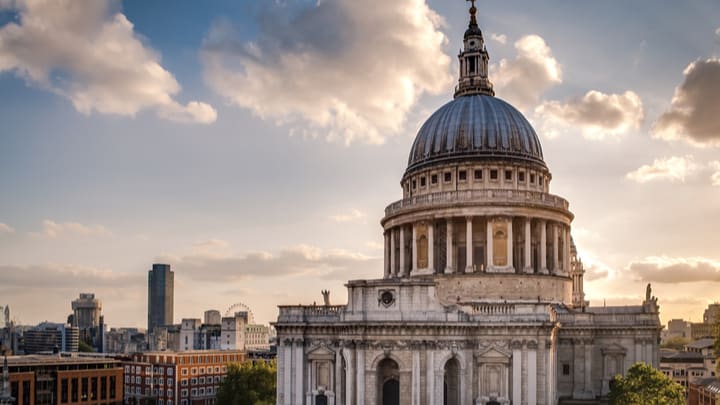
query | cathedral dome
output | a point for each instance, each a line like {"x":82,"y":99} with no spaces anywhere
{"x":474,"y":127}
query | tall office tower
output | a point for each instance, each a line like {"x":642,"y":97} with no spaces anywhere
{"x":160,"y":296}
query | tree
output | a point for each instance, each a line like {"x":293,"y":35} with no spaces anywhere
{"x":675,"y":342}
{"x":249,"y":383}
{"x":83,"y":347}
{"x":645,"y":385}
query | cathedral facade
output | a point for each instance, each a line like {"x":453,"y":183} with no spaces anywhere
{"x":481,"y":299}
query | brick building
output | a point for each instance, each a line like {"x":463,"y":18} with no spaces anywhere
{"x":177,"y":378}
{"x":53,"y":379}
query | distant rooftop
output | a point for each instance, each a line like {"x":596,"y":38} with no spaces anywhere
{"x":63,"y":359}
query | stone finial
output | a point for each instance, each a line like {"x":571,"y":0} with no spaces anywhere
{"x":326,"y":297}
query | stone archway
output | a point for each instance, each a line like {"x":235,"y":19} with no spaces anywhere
{"x":451,"y":383}
{"x":388,"y":378}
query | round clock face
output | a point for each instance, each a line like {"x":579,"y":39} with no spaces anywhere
{"x":472,"y":44}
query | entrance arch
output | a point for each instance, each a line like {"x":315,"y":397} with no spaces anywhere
{"x":388,"y":377}
{"x":451,"y":383}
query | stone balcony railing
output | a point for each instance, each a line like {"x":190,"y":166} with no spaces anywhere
{"x":310,"y":313}
{"x":480,"y":197}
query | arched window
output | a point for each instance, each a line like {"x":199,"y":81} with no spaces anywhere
{"x":388,"y":377}
{"x":451,"y":386}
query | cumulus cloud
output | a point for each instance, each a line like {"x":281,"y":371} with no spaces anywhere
{"x":715,"y":177}
{"x":674,"y":169}
{"x":693,"y":114}
{"x":89,"y":53}
{"x":676,"y":270}
{"x":351,"y":70}
{"x":352,"y":216}
{"x":52,"y":229}
{"x":521,"y":81}
{"x":303,"y":259}
{"x":65,"y":276}
{"x":5,"y":228}
{"x":596,"y":114}
{"x":499,"y":38}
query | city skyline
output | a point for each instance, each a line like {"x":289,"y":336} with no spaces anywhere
{"x":260,"y":156}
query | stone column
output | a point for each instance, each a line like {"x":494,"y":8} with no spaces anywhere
{"x":510,"y":243}
{"x":287,"y":372}
{"x":528,"y":245}
{"x":554,"y":234}
{"x":532,"y":375}
{"x":543,"y":247}
{"x":414,"y":250}
{"x":337,"y":379}
{"x":490,"y":261}
{"x":360,"y":374}
{"x":450,"y":268}
{"x":588,"y":366}
{"x":349,"y":376}
{"x":431,"y":247}
{"x":393,"y":269}
{"x":469,"y":245}
{"x":517,"y":376}
{"x":430,"y":374}
{"x":387,"y":255}
{"x":402,"y":271}
{"x":299,"y":368}
{"x":415,"y":377}
{"x":567,"y":249}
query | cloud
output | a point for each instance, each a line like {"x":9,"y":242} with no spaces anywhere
{"x":674,"y":169}
{"x":676,"y":270}
{"x":5,"y":228}
{"x":89,"y":53}
{"x":499,"y":38}
{"x":52,"y":229}
{"x":534,"y":70}
{"x":306,"y":260}
{"x":596,"y":114}
{"x":347,"y":69}
{"x":715,"y":177}
{"x":693,"y":115}
{"x":717,"y":34}
{"x":65,"y":276}
{"x":595,"y":272}
{"x":352,"y":216}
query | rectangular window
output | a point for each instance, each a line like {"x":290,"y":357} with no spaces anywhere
{"x":566,"y":369}
{"x":493,"y":174}
{"x":508,"y":175}
{"x":414,"y":183}
{"x":433,"y":179}
{"x":462,"y":175}
{"x":84,"y":391}
{"x":532,"y":178}
{"x":112,"y":386}
{"x":540,"y":180}
{"x":64,"y":390}
{"x":423,"y":181}
{"x":103,"y":388}
{"x":448,"y":177}
{"x":521,"y":177}
{"x":93,"y":388}
{"x":478,"y":174}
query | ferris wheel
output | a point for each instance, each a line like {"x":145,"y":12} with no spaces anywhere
{"x":240,"y":307}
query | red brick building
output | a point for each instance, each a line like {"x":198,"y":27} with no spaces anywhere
{"x":177,"y":378}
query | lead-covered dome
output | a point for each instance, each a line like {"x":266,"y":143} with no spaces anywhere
{"x":476,"y":126}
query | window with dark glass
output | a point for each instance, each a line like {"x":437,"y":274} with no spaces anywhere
{"x":521,"y":177}
{"x":448,"y":177}
{"x":112,"y":386}
{"x":93,"y":388}
{"x":508,"y":175}
{"x":103,"y":387}
{"x":74,"y":390}
{"x":478,"y":174}
{"x":566,"y":369}
{"x":84,"y":391}
{"x":26,"y":390}
{"x":532,"y":178}
{"x":423,"y":182}
{"x":63,"y":390}
{"x":493,"y":174}
{"x":462,"y":175}
{"x":433,"y":179}
{"x":540,"y":180}
{"x":414,"y":183}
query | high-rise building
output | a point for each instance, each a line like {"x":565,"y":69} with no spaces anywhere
{"x":48,"y":337}
{"x":161,"y":281}
{"x":88,"y":319}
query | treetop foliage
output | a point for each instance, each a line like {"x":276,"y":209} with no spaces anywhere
{"x":249,"y":383}
{"x":645,"y":385}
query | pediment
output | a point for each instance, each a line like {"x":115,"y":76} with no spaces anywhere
{"x":493,"y":353}
{"x":321,"y":353}
{"x":614,"y":348}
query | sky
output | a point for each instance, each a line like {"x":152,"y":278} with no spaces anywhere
{"x":253,"y":145}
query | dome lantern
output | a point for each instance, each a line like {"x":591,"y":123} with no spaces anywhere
{"x":474,"y":60}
